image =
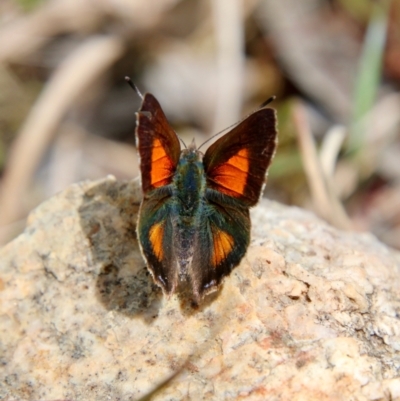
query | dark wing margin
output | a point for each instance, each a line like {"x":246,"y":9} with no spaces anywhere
{"x":157,"y":143}
{"x":236,"y":164}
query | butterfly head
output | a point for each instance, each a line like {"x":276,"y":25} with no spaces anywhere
{"x":191,"y":153}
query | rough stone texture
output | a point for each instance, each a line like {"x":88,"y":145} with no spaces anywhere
{"x":311,"y":313}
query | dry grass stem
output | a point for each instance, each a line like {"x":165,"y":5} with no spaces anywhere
{"x":228,"y":23}
{"x":324,"y":199}
{"x":330,"y":148}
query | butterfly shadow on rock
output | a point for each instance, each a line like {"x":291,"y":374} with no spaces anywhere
{"x":108,"y":216}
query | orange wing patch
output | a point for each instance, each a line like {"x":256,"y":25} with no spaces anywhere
{"x":232,"y":175}
{"x":156,"y":236}
{"x":161,"y":165}
{"x":223,"y":244}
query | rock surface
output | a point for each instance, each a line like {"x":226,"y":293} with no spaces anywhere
{"x":311,"y":313}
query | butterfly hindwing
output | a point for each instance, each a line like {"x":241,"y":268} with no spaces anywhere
{"x":155,"y":231}
{"x":222,"y":240}
{"x":158,"y":145}
{"x":236,"y":164}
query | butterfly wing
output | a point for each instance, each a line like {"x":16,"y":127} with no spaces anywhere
{"x":236,"y":164}
{"x":159,"y":152}
{"x":223,"y":238}
{"x":235,"y":167}
{"x":155,"y":235}
{"x":157,"y":144}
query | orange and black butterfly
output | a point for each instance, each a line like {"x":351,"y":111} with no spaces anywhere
{"x":194,"y":224}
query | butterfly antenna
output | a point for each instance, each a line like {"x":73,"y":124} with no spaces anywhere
{"x":264,"y":104}
{"x":134,"y":87}
{"x":218,"y":133}
{"x":267,"y":102}
{"x":183,"y":143}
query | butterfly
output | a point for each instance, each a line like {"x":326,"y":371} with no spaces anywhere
{"x":194,"y":222}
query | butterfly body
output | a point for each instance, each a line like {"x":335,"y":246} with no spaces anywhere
{"x":194,"y":224}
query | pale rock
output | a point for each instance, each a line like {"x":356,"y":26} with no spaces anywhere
{"x":311,"y":313}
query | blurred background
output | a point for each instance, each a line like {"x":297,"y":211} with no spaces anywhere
{"x":67,"y":114}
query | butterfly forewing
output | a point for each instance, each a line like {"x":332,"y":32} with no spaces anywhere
{"x":158,"y":145}
{"x":236,"y":164}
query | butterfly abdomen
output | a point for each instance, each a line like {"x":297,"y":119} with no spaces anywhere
{"x":190,"y":183}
